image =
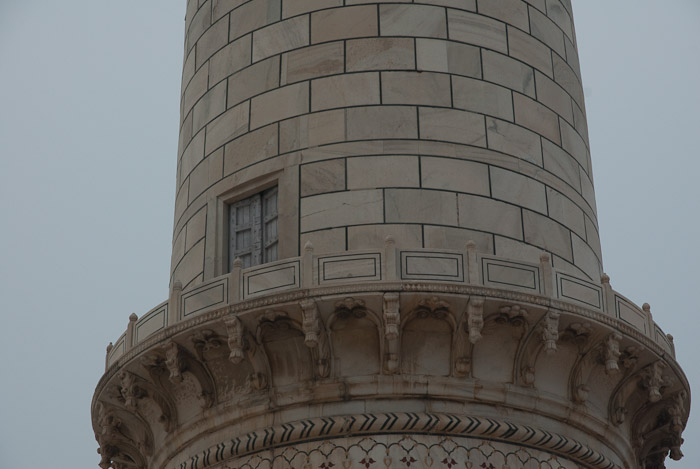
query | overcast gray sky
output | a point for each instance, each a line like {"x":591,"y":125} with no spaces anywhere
{"x":89,"y":94}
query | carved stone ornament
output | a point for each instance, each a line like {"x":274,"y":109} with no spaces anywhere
{"x":392,"y":321}
{"x":236,"y":342}
{"x":392,"y":317}
{"x":310,"y":323}
{"x":173,"y":361}
{"x":654,"y":381}
{"x":120,"y":447}
{"x":550,"y":332}
{"x":205,"y":340}
{"x":611,"y":353}
{"x":432,"y":307}
{"x":513,"y":315}
{"x":129,"y":390}
{"x":315,"y":336}
{"x":475,"y":319}
{"x":350,"y":307}
{"x":577,"y":333}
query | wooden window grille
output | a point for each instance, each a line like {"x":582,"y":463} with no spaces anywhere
{"x":253,"y":229}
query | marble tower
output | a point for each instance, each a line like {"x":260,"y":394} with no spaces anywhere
{"x":386,"y":255}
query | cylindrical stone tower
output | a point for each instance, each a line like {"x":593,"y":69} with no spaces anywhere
{"x":386,"y":254}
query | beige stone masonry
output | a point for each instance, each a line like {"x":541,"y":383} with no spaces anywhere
{"x":227,"y":126}
{"x":341,"y":208}
{"x":585,"y":258}
{"x":312,"y":62}
{"x":280,"y":37}
{"x":369,"y":236}
{"x":312,"y":130}
{"x":258,"y":78}
{"x":420,"y":206}
{"x":561,"y":164}
{"x":195,"y":90}
{"x":518,"y":190}
{"x":446,"y":237}
{"x":382,"y":171}
{"x":230,"y":59}
{"x":278,"y":104}
{"x":572,"y":57}
{"x":211,"y":41}
{"x":412,"y":20}
{"x":558,"y":14}
{"x":324,"y":176}
{"x":331,"y":240}
{"x":545,"y":232}
{"x":199,"y":23}
{"x":483,"y":97}
{"x":452,"y":125}
{"x":222,"y":7}
{"x":438,"y":55}
{"x":587,"y":188}
{"x":508,"y":72}
{"x":396,"y":122}
{"x":484,"y":214}
{"x":554,"y":97}
{"x":566,"y":212}
{"x":514,"y":140}
{"x":250,"y":148}
{"x":477,"y":30}
{"x":253,"y":15}
{"x":355,"y":89}
{"x":343,"y":23}
{"x":513,"y":12}
{"x":567,"y":79}
{"x":574,"y":145}
{"x":455,"y":175}
{"x":461,"y":4}
{"x":205,"y":174}
{"x":209,"y":106}
{"x":425,"y":88}
{"x":536,"y":117}
{"x":192,"y":155}
{"x":524,"y":47}
{"x":195,"y":229}
{"x":297,"y":7}
{"x":380,"y":54}
{"x":547,"y":31}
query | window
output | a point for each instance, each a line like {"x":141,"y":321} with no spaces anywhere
{"x":253,"y":229}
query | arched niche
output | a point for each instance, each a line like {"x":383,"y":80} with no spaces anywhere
{"x":493,"y":356}
{"x":289,"y":358}
{"x":355,"y":341}
{"x":426,"y":345}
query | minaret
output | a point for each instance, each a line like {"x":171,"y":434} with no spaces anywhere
{"x":386,"y":254}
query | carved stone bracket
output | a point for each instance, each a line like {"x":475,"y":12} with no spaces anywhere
{"x":513,"y":315}
{"x":475,"y":319}
{"x":315,"y":336}
{"x":611,"y":353}
{"x":123,"y":445}
{"x":432,"y":307}
{"x":132,"y":389}
{"x":550,"y":331}
{"x":236,"y":342}
{"x":350,"y":307}
{"x":177,"y":361}
{"x":468,"y":334}
{"x":205,"y":340}
{"x":392,"y":321}
{"x":654,"y":381}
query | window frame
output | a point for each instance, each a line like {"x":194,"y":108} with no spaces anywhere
{"x":256,"y":219}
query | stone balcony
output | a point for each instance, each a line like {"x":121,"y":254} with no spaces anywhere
{"x":439,"y":332}
{"x":392,"y":269}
